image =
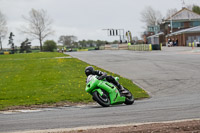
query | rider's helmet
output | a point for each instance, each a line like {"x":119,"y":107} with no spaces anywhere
{"x":89,"y":70}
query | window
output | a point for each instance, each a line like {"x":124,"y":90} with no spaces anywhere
{"x":177,"y":24}
{"x":182,"y":25}
{"x":194,"y":23}
{"x":198,"y":38}
{"x":153,"y":28}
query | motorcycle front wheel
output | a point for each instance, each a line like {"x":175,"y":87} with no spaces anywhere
{"x":129,"y":98}
{"x":102,"y":100}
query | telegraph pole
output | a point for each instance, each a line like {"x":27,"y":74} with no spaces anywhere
{"x":0,"y":42}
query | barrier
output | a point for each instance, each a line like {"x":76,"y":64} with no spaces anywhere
{"x":7,"y":53}
{"x":191,"y":44}
{"x":123,"y":46}
{"x":115,"y":47}
{"x":107,"y":47}
{"x":82,"y":50}
{"x":141,"y":47}
{"x":156,"y":46}
{"x":160,"y":46}
{"x":102,"y":47}
{"x":150,"y":47}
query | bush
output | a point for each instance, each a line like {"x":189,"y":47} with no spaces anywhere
{"x":49,"y":45}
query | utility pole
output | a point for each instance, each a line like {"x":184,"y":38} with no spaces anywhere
{"x":0,"y":42}
{"x":171,"y":24}
{"x":1,"y":36}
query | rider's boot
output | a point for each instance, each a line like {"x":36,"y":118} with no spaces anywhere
{"x":119,"y":87}
{"x":122,"y":90}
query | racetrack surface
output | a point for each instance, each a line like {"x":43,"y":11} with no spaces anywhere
{"x":171,"y":76}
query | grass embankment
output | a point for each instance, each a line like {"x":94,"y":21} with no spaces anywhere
{"x":40,"y":78}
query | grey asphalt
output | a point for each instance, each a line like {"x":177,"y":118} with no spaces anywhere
{"x":170,"y":76}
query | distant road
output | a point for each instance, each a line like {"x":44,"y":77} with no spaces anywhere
{"x":171,"y":76}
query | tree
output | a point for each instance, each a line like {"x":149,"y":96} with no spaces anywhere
{"x":115,"y":42}
{"x":151,"y":17}
{"x":189,"y":7}
{"x":91,"y":43}
{"x":39,"y":25}
{"x":135,"y":39}
{"x":25,"y":46}
{"x":75,"y":44}
{"x":50,"y":45}
{"x":83,"y":43}
{"x":99,"y":43}
{"x":196,"y":9}
{"x":11,"y":43}
{"x":171,"y":12}
{"x":67,"y":40}
{"x":3,"y":28}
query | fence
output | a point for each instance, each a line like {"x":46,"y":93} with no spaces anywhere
{"x":194,"y":44}
{"x":78,"y":50}
{"x":5,"y":52}
{"x":140,"y":47}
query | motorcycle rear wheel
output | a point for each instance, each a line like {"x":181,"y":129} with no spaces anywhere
{"x":102,"y":100}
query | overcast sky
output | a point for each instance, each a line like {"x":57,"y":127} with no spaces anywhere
{"x":85,"y":18}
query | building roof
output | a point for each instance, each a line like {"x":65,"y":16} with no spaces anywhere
{"x":156,"y":35}
{"x":184,"y":14}
{"x":189,"y":30}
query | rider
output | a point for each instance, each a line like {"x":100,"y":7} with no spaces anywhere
{"x":90,"y":71}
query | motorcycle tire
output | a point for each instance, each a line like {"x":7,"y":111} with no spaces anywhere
{"x":129,"y":99}
{"x":102,"y":100}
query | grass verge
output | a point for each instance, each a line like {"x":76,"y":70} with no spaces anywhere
{"x":47,"y":78}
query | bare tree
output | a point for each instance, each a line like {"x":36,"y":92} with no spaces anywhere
{"x":150,"y":16}
{"x":67,"y":40}
{"x":39,"y":25}
{"x":190,"y":7}
{"x":3,"y":28}
{"x":135,"y":39}
{"x":171,"y":12}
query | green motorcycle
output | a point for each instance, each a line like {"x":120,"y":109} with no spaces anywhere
{"x":106,"y":93}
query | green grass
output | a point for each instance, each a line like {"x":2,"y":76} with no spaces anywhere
{"x":40,"y":78}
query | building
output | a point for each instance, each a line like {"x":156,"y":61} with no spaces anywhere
{"x":182,"y":28}
{"x":186,"y":37}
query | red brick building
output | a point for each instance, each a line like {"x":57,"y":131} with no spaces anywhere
{"x":182,"y":27}
{"x":186,"y":36}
